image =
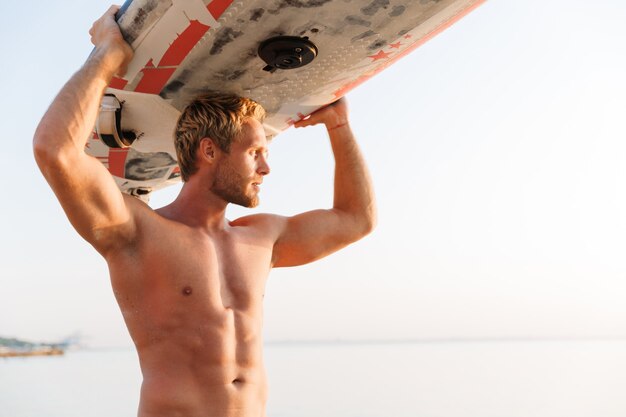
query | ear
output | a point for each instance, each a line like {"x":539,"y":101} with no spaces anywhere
{"x":207,"y":150}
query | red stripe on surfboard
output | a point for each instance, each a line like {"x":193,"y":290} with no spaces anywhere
{"x":117,"y":161}
{"x":154,"y":79}
{"x":118,"y":83}
{"x":179,"y":49}
{"x":218,"y":7}
{"x":445,"y":25}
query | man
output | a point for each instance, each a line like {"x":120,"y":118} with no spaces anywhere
{"x":189,"y":282}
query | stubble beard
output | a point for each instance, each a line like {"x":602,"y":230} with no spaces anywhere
{"x":231,"y":186}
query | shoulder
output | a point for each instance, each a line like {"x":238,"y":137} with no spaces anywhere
{"x":270,"y":225}
{"x":261,"y":220}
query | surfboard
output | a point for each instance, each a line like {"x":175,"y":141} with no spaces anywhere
{"x":291,"y":56}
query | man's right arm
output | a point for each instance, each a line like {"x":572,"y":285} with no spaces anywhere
{"x":88,"y":194}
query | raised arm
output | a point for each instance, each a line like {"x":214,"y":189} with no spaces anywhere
{"x":85,"y":189}
{"x":315,"y":234}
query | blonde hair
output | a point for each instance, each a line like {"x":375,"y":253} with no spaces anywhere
{"x":214,"y":115}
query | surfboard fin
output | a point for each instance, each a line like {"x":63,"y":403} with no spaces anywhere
{"x":109,"y":124}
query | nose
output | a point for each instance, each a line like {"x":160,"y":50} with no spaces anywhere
{"x":264,"y":167}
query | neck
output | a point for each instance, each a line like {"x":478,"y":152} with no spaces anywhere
{"x":197,"y":206}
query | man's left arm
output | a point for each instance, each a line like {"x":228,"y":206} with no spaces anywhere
{"x":312,"y":235}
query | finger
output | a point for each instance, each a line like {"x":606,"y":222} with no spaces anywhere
{"x":309,"y":121}
{"x":113,"y":9}
{"x":301,"y":123}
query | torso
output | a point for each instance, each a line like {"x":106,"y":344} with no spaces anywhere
{"x":192,"y":302}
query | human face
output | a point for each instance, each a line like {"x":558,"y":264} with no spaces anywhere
{"x":240,"y":172}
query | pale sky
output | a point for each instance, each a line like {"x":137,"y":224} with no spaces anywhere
{"x":497,"y":153}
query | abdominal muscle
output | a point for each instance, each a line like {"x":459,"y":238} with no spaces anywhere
{"x":207,"y":390}
{"x":201,"y":372}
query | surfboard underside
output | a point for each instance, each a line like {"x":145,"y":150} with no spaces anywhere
{"x":186,"y":47}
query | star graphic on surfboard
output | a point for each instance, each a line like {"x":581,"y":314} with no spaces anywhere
{"x":380,"y":55}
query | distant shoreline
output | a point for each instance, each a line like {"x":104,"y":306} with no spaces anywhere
{"x":34,"y":352}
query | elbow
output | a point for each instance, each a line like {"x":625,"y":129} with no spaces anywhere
{"x":370,"y":222}
{"x":45,"y":158}
{"x":366,"y":223}
{"x":41,"y":147}
{"x":47,"y":153}
{"x":42,"y":154}
{"x":356,"y":224}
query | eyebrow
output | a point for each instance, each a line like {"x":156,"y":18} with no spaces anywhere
{"x":258,"y":145}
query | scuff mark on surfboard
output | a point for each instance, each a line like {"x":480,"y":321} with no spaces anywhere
{"x":397,"y":11}
{"x":231,"y":75}
{"x":142,"y":17}
{"x":374,"y":7}
{"x":172,"y":88}
{"x":377,"y":44}
{"x":310,"y":28}
{"x":363,"y":35}
{"x":299,"y":4}
{"x":356,"y":20}
{"x":223,"y":38}
{"x":257,"y":14}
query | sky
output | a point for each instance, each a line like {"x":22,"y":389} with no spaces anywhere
{"x":497,"y":154}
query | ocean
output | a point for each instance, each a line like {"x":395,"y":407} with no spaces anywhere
{"x":375,"y":379}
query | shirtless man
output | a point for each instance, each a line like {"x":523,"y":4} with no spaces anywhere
{"x":188,"y":281}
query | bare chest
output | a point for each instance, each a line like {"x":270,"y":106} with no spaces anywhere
{"x":224,"y":272}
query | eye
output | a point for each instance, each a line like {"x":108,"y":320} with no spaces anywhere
{"x":255,"y":153}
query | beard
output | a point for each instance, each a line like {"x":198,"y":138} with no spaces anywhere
{"x":231,"y":186}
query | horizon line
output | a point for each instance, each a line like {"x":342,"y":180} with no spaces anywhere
{"x":409,"y":341}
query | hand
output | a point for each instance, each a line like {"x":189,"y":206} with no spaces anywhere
{"x":106,"y":37}
{"x":333,"y":115}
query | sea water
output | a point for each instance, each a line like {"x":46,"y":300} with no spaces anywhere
{"x":427,"y":379}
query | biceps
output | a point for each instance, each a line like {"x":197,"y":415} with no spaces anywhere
{"x":311,"y":236}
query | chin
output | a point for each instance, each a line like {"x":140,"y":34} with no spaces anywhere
{"x":248,"y":202}
{"x":254,"y":202}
